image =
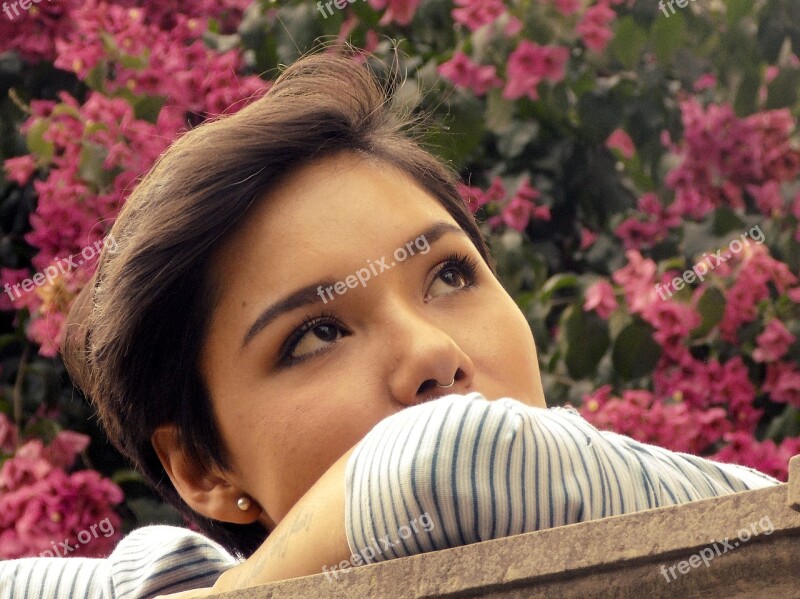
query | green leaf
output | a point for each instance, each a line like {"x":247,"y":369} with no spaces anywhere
{"x":635,"y":352}
{"x":736,"y":10}
{"x":747,"y":94}
{"x":711,"y":308}
{"x":785,"y":425}
{"x":36,"y":142}
{"x":90,"y":166}
{"x":726,"y":221}
{"x":669,"y":35}
{"x":782,"y":91}
{"x":557,"y":282}
{"x":147,"y":108}
{"x":134,"y":62}
{"x":628,"y":42}
{"x":587,"y":339}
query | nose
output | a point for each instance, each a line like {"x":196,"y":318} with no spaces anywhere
{"x":428,"y":363}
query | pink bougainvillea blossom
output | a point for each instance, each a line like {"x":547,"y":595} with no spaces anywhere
{"x":773,"y":342}
{"x":41,"y":503}
{"x":646,"y":418}
{"x":397,"y":11}
{"x":600,"y":297}
{"x":637,"y":279}
{"x":530,"y":64}
{"x":465,"y":73}
{"x":619,"y":140}
{"x":477,"y":13}
{"x":475,"y":197}
{"x":594,"y":26}
{"x":765,"y":456}
{"x":567,"y":7}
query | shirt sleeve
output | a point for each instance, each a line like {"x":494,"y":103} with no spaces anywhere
{"x":152,"y":560}
{"x":461,"y":469}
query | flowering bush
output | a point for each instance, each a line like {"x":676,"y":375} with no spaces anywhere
{"x":45,"y":509}
{"x":621,"y":159}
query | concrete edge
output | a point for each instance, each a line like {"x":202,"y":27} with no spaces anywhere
{"x":610,"y":542}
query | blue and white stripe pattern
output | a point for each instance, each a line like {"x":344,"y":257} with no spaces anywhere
{"x":151,"y":561}
{"x":474,"y":470}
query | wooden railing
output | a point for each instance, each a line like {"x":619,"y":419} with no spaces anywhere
{"x":745,"y":545}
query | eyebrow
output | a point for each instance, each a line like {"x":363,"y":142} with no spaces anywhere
{"x":308,"y":294}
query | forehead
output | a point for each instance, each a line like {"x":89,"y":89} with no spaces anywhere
{"x":330,"y":212}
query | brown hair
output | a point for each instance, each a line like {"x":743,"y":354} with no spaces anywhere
{"x":135,"y":332}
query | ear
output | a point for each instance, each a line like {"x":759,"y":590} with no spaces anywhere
{"x":207,"y":492}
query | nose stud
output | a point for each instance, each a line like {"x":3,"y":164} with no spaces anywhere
{"x":453,"y":382}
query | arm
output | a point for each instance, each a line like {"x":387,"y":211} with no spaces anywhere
{"x":310,"y":537}
{"x":474,"y":470}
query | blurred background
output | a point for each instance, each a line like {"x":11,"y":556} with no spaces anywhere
{"x":634,"y":163}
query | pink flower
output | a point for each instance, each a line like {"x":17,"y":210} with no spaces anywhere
{"x":567,"y":7}
{"x":672,"y":322}
{"x":731,"y":387}
{"x":517,"y":213}
{"x":644,"y":417}
{"x":475,"y":197}
{"x":637,"y":279}
{"x":20,"y":169}
{"x":463,"y":72}
{"x":650,"y":226}
{"x":764,"y":456}
{"x":600,"y":298}
{"x":783,"y":383}
{"x":26,"y":467}
{"x":705,"y":81}
{"x":9,"y":277}
{"x":8,"y":435}
{"x":400,"y":11}
{"x":768,"y":197}
{"x":619,"y":140}
{"x":41,"y":504}
{"x":587,"y":238}
{"x":773,"y":342}
{"x":529,"y":64}
{"x":593,"y":27}
{"x":521,"y":209}
{"x":62,"y":451}
{"x":477,"y":13}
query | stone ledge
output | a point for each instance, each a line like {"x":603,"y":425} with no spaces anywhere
{"x":615,"y":557}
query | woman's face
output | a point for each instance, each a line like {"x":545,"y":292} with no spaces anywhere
{"x":303,"y":359}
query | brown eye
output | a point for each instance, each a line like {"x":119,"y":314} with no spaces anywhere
{"x":314,"y":335}
{"x":457,"y":272}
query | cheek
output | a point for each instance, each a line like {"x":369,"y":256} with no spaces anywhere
{"x":505,"y":343}
{"x":306,"y":442}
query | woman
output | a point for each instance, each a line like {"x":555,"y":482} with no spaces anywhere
{"x":296,"y":289}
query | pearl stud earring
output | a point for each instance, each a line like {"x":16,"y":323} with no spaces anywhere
{"x":244,"y":503}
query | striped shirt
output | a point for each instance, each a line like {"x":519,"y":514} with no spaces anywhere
{"x":462,"y":469}
{"x":151,"y":561}
{"x":452,"y":471}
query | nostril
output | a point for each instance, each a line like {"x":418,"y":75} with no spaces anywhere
{"x":426,"y":386}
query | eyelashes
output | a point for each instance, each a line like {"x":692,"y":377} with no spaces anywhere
{"x":328,"y":329}
{"x":466,"y":265}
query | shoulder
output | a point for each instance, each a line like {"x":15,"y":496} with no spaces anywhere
{"x":149,"y":561}
{"x":156,"y":560}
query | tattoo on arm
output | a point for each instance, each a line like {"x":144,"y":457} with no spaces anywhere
{"x":301,"y":523}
